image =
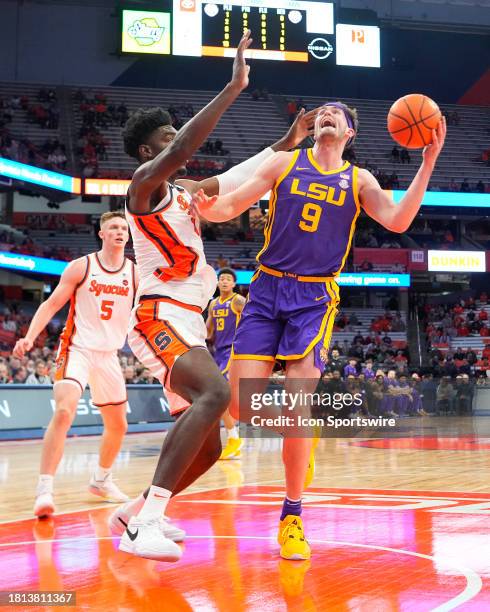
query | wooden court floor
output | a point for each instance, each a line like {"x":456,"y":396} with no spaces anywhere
{"x":394,"y":525}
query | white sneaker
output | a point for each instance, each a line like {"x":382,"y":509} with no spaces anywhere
{"x":44,"y":505}
{"x":146,"y":538}
{"x":119,"y":519}
{"x":107,"y":489}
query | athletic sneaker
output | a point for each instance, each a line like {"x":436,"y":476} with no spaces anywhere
{"x":310,"y":472}
{"x":107,"y":489}
{"x":119,"y":519}
{"x":232,"y":449}
{"x":44,"y":504}
{"x":291,"y":538}
{"x":146,"y":538}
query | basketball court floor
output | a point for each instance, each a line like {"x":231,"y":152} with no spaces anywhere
{"x":394,"y":525}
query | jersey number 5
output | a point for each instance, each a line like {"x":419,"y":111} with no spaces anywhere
{"x":310,"y":217}
{"x":106,"y":309}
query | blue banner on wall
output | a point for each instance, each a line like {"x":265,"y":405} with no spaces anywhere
{"x":39,"y":176}
{"x":27,"y":263}
{"x":370,"y":279}
{"x":449,"y":198}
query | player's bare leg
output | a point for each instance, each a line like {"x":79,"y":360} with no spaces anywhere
{"x":301,"y":375}
{"x":197,"y":379}
{"x":115,"y":427}
{"x":246,"y":368}
{"x":66,"y":396}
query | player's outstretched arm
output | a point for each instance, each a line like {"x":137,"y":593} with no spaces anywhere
{"x":150,"y":175}
{"x":303,"y":126}
{"x":71,"y":277}
{"x":378,"y":204}
{"x":226,"y":207}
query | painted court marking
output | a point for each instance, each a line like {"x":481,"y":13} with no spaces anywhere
{"x":473,"y":581}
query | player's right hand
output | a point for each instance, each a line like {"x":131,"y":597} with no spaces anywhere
{"x":202,"y":203}
{"x":239,"y":78}
{"x":22,"y":346}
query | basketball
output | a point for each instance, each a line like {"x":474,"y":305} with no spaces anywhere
{"x":411,"y":120}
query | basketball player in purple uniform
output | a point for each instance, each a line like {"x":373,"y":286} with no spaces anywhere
{"x":316,"y":199}
{"x":223,"y":316}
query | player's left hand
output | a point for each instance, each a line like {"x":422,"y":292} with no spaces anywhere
{"x":303,"y":126}
{"x":239,"y":78}
{"x":431,"y":152}
{"x":201,"y":203}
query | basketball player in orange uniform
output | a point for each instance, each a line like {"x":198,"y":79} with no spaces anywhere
{"x":167,"y":332}
{"x":101,"y":289}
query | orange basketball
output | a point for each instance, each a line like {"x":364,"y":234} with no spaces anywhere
{"x":411,"y":120}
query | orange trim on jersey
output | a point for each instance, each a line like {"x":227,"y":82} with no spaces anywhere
{"x":185,"y":255}
{"x":181,"y":259}
{"x":169,"y":300}
{"x":65,"y":341}
{"x":155,"y":239}
{"x":105,"y":269}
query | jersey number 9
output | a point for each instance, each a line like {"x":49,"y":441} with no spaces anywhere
{"x":310,"y":217}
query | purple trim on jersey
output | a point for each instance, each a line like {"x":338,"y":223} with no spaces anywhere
{"x":312,"y":218}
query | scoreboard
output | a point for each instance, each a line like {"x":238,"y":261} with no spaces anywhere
{"x":284,"y":30}
{"x":287,"y":30}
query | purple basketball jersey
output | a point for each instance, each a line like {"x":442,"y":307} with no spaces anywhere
{"x":225,"y":320}
{"x":312,"y":216}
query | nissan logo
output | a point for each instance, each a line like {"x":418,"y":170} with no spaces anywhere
{"x":320,"y":48}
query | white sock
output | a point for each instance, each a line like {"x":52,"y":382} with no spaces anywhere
{"x":101,"y":473}
{"x":45,"y":483}
{"x":156,"y":503}
{"x":135,"y":505}
{"x":232,"y":433}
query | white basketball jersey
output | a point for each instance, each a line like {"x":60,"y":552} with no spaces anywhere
{"x":100,"y":307}
{"x":169,"y":251}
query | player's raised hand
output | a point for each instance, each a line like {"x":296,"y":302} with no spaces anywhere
{"x":201,"y":203}
{"x":22,"y":346}
{"x":303,"y":126}
{"x":239,"y":78}
{"x":431,"y":152}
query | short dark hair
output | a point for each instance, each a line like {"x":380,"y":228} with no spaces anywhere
{"x":227,"y":271}
{"x":139,"y":127}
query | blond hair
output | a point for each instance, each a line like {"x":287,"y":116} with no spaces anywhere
{"x":111,"y":214}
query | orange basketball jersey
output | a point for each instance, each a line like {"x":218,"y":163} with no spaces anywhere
{"x":100,"y":307}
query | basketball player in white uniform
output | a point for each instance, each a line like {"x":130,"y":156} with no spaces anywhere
{"x":167,"y":330}
{"x":101,"y":288}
